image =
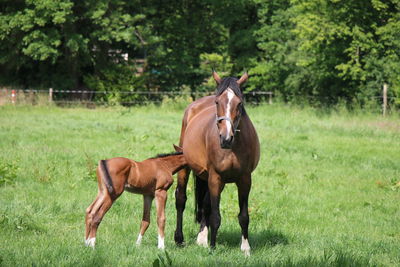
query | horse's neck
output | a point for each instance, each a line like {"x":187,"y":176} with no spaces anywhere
{"x":174,"y":162}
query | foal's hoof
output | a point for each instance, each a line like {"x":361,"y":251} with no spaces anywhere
{"x":90,"y":242}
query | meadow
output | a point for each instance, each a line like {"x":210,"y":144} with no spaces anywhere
{"x":326,"y":191}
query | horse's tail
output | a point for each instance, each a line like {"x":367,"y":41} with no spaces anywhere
{"x":106,"y":177}
{"x":201,"y":188}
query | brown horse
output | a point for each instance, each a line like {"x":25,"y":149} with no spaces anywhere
{"x":151,"y":178}
{"x":221,"y":146}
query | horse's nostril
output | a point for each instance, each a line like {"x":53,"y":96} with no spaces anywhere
{"x":226,"y":142}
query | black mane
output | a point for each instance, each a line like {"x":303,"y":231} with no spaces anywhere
{"x":229,"y":82}
{"x":167,"y":154}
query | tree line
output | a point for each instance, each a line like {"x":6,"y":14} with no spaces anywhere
{"x":322,"y":51}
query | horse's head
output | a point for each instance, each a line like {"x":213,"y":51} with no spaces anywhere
{"x":229,"y":104}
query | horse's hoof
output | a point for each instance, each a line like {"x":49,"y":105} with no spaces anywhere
{"x":211,"y":250}
{"x":181,"y":245}
{"x":179,"y":239}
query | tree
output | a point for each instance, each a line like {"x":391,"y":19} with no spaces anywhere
{"x":48,"y":43}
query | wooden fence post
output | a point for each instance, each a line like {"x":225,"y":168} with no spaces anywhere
{"x":384,"y":105}
{"x":270,"y":98}
{"x":50,"y":95}
{"x":13,"y":96}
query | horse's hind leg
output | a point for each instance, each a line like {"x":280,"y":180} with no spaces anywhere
{"x":161,"y":199}
{"x":95,"y":216}
{"x":180,"y":202}
{"x":203,"y":211}
{"x":87,"y":218}
{"x":244,"y":186}
{"x":146,"y":217}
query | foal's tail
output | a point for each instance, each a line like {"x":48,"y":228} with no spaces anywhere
{"x":106,"y":177}
{"x":201,"y":188}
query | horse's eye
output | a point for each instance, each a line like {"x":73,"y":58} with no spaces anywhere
{"x":216,"y":102}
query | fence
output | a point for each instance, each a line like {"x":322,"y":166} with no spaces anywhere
{"x":128,"y":98}
{"x":87,"y":97}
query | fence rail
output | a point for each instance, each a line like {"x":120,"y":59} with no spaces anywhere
{"x":102,"y":97}
{"x":90,"y":97}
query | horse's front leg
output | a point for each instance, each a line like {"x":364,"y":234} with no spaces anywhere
{"x":215,"y":187}
{"x":161,"y":199}
{"x":244,"y":186}
{"x":180,"y":202}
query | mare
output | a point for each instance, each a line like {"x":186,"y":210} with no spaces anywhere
{"x":221,"y":146}
{"x":151,"y":178}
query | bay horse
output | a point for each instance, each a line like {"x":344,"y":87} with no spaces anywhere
{"x":221,"y":146}
{"x":151,"y":178}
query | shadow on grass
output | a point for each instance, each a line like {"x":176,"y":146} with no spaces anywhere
{"x":264,"y":238}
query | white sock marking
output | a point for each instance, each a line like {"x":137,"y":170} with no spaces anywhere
{"x":161,"y":244}
{"x":139,"y":240}
{"x":202,"y":237}
{"x":245,"y":246}
{"x":90,"y":242}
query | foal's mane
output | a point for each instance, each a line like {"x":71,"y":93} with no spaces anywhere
{"x":167,"y":155}
{"x":229,"y":82}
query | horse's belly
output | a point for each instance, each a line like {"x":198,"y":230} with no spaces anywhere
{"x":144,"y":189}
{"x":194,"y":151}
{"x":230,"y":175}
{"x":197,"y":165}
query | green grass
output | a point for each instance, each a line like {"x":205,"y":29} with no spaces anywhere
{"x":326,"y":191}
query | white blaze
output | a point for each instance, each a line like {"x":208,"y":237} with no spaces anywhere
{"x":231,"y":94}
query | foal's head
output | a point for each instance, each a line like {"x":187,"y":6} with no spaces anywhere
{"x":229,"y":103}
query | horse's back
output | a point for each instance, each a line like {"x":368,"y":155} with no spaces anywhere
{"x":196,"y":107}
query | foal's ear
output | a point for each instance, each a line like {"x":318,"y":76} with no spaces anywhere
{"x":178,"y":148}
{"x":216,"y":77}
{"x":243,"y":79}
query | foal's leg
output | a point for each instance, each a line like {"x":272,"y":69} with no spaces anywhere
{"x":147,"y":199}
{"x":87,"y":218}
{"x":91,"y":211}
{"x":180,"y":202}
{"x":244,"y":186}
{"x":101,"y":206}
{"x":161,"y":199}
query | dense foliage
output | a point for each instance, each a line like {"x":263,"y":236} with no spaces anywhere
{"x":320,"y":50}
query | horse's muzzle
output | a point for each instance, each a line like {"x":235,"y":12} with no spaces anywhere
{"x":226,"y":143}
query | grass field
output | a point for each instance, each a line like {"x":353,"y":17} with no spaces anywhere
{"x":326,"y":191}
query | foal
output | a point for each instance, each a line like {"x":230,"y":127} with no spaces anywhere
{"x":151,"y":178}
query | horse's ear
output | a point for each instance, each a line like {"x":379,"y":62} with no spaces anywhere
{"x":243,"y":79}
{"x":178,"y":148}
{"x":216,"y":77}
